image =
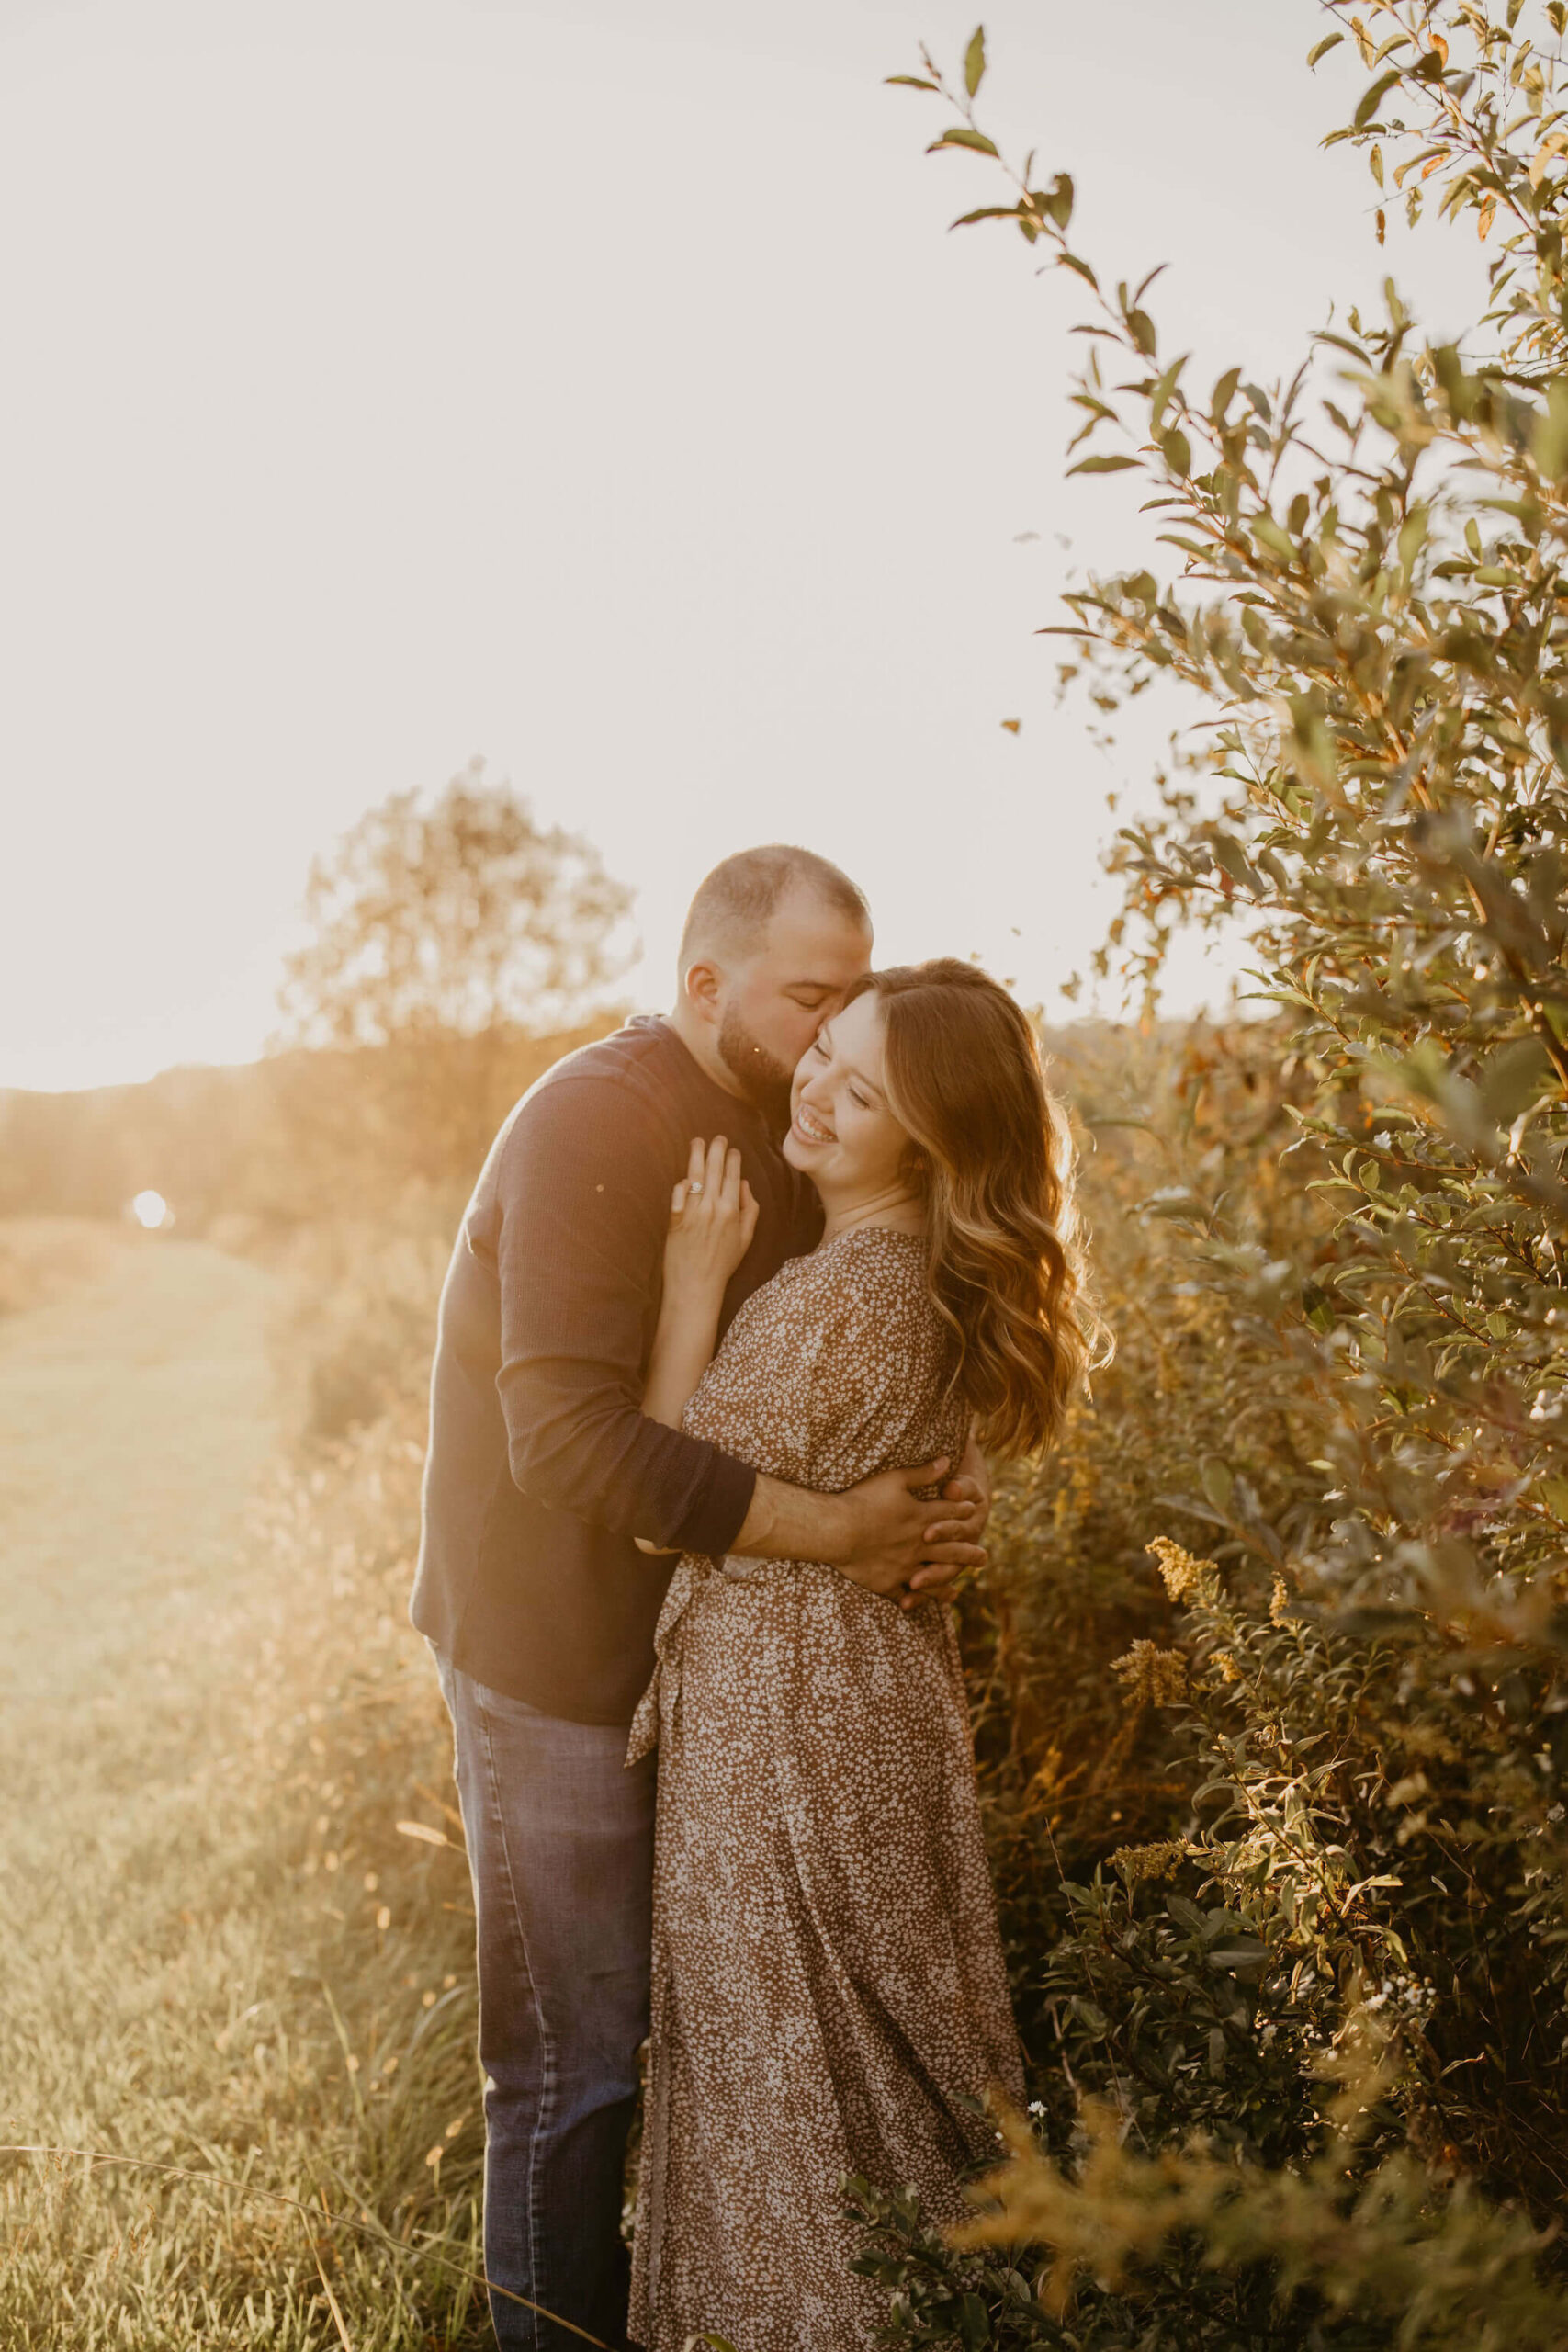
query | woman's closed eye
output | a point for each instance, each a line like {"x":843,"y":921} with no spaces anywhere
{"x":862,"y":1100}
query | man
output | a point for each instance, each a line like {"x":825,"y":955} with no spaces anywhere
{"x":542,"y":1474}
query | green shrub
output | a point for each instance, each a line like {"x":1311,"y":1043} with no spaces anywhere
{"x":1343,"y":1329}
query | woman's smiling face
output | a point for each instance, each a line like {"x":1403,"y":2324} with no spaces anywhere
{"x":842,"y":1133}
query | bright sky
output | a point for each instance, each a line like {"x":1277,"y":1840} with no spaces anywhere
{"x":592,"y":387}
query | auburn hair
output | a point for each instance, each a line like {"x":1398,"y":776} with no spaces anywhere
{"x":990,"y":1154}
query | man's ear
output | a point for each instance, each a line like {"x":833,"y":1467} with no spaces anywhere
{"x":703,"y":985}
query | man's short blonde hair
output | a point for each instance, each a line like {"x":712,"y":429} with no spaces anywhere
{"x":734,"y":906}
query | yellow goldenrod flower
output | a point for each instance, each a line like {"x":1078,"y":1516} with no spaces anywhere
{"x":1152,"y":1676}
{"x":1185,"y":1578}
{"x":1139,"y":1862}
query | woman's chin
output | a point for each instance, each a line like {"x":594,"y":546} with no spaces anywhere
{"x":794,"y":1150}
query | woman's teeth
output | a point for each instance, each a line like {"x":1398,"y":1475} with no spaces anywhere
{"x":811,"y":1127}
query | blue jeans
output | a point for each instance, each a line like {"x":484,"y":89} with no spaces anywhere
{"x":561,"y":1845}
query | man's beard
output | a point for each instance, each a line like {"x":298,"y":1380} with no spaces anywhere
{"x":763,"y":1078}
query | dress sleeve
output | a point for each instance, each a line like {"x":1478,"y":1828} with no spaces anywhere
{"x":874,"y":1377}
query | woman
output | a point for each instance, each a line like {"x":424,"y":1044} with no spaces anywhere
{"x":829,"y":1992}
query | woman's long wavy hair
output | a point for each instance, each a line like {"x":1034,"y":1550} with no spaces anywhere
{"x":991,"y":1155}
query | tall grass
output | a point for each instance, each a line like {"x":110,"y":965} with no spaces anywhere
{"x":221,"y":1954}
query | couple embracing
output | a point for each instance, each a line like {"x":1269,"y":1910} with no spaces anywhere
{"x":748,"y":1285}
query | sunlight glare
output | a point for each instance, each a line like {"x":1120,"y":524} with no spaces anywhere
{"x":151,"y":1210}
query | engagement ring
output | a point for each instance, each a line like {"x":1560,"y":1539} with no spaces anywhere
{"x":694,"y":1187}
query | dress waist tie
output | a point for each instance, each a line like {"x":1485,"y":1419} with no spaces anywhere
{"x":656,"y":1708}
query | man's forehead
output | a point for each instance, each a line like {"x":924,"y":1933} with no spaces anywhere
{"x":819,"y":983}
{"x":813,"y":939}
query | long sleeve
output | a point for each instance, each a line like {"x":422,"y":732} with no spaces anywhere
{"x":582,"y":1202}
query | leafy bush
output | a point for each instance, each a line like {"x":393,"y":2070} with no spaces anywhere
{"x":1348,"y":1389}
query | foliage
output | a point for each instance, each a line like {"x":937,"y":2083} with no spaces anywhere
{"x":459,"y":920}
{"x":1174,"y":1126}
{"x":1368,"y":600}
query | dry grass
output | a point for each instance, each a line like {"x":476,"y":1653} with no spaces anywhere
{"x":43,"y":1258}
{"x":219,"y":1952}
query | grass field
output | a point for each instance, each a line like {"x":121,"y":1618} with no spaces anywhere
{"x":218,"y":1951}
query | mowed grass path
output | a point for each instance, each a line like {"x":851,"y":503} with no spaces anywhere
{"x":215,"y":1951}
{"x":138,"y":1415}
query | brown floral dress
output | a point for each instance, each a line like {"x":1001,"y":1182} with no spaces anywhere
{"x":829,"y":1992}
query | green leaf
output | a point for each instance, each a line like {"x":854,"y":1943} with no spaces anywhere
{"x":1140,"y":326}
{"x":975,"y":60}
{"x":1101,"y":465}
{"x":986,"y":212}
{"x":1553,"y":1493}
{"x":961,"y":136}
{"x":1278,"y":542}
{"x":1218,"y":1484}
{"x":1159,"y":398}
{"x":1374,"y":98}
{"x":1317,"y":1307}
{"x":974,"y":2323}
{"x":1231,"y":858}
{"x":1329,"y":41}
{"x":1550,"y":439}
{"x":906,"y":82}
{"x":1512,"y":1078}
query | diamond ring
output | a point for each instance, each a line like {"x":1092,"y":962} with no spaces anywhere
{"x":693,"y":1187}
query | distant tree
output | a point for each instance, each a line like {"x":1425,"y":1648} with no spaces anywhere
{"x":449,"y":939}
{"x":451,"y":919}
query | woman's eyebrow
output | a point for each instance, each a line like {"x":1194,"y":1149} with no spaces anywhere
{"x":825,"y":1038}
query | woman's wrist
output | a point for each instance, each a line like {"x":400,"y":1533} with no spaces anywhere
{"x":693,"y":1299}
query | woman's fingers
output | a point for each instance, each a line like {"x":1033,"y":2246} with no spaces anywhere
{"x":714,"y":1191}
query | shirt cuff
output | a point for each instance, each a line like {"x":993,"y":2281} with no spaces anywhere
{"x":718,"y":1509}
